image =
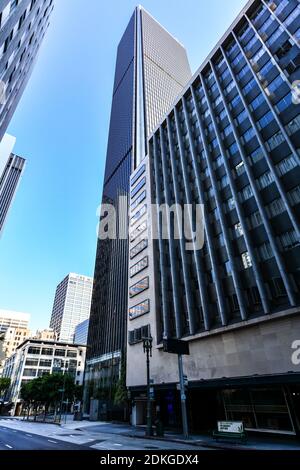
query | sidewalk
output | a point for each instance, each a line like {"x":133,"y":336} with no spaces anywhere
{"x":94,"y":429}
{"x":272,"y":442}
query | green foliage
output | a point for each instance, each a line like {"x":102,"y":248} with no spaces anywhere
{"x":47,"y":390}
{"x":121,"y":396}
{"x":4,"y":384}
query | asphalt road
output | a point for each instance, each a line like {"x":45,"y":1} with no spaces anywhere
{"x":10,"y":439}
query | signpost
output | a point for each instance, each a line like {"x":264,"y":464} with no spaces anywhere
{"x":181,"y":348}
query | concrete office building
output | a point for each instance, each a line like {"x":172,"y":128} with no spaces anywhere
{"x":81,"y":332}
{"x":23,"y":24}
{"x":11,"y":170}
{"x":151,"y":69}
{"x":71,"y":306}
{"x":230,"y":142}
{"x":12,"y":338}
{"x":10,"y":319}
{"x":35,"y":358}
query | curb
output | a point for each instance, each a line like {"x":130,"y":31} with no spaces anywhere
{"x":192,"y":443}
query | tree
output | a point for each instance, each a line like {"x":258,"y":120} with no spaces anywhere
{"x":4,"y":385}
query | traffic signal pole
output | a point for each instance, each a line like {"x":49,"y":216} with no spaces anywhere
{"x":183,"y":398}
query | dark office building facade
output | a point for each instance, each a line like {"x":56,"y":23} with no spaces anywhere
{"x":23,"y":24}
{"x":9,"y":181}
{"x":231,"y":143}
{"x":151,"y":70}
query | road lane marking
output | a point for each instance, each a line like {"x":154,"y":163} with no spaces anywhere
{"x":6,"y":445}
{"x":29,"y":435}
{"x":120,"y":445}
{"x":53,"y":442}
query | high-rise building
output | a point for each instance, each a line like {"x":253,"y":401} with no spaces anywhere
{"x":81,"y":332}
{"x":10,"y":319}
{"x":71,"y":306}
{"x":230,"y":143}
{"x":151,"y":69}
{"x":11,"y":169}
{"x":23,"y":24}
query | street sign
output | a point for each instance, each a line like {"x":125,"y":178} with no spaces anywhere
{"x":176,"y":346}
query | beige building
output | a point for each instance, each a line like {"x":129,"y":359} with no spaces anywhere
{"x":47,"y":334}
{"x":13,"y":337}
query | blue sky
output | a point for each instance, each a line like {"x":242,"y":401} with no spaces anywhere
{"x":61,"y":126}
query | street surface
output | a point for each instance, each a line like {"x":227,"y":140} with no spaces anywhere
{"x":16,"y":434}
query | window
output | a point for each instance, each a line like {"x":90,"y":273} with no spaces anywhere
{"x":248,"y":135}
{"x":139,"y":287}
{"x":33,"y":350}
{"x":138,"y":214}
{"x":246,"y":260}
{"x":138,"y":248}
{"x":227,"y":131}
{"x":139,"y":266}
{"x":60,"y":352}
{"x":138,"y":187}
{"x":265,"y":180}
{"x":250,"y":45}
{"x":275,"y":141}
{"x":71,"y":353}
{"x":242,"y":116}
{"x":274,"y":36}
{"x":294,"y":195}
{"x":237,"y":59}
{"x":288,"y":240}
{"x":233,"y":149}
{"x":255,"y":220}
{"x":276,"y":83}
{"x":286,"y":165}
{"x":295,"y":13}
{"x":47,"y":351}
{"x":235,"y":102}
{"x":223,"y":182}
{"x":32,"y":362}
{"x":246,"y":193}
{"x":229,"y":205}
{"x":139,"y":173}
{"x":265,"y":120}
{"x":250,"y":85}
{"x":275,"y":207}
{"x":284,"y":103}
{"x":240,"y":169}
{"x":138,"y":200}
{"x":225,"y":74}
{"x":242,"y":72}
{"x":229,"y":87}
{"x":29,"y":372}
{"x":45,"y":363}
{"x":136,"y":336}
{"x":293,"y":126}
{"x":138,"y":231}
{"x":239,"y":229}
{"x":257,"y":102}
{"x":139,"y":310}
{"x":265,"y":251}
{"x":256,"y":156}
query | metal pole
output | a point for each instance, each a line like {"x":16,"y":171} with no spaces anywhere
{"x":183,"y":398}
{"x":149,"y":423}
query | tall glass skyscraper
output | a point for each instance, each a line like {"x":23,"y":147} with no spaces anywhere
{"x":151,"y":69}
{"x":11,"y":169}
{"x":23,"y":24}
{"x":230,"y":143}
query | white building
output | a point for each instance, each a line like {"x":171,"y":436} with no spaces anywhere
{"x":35,"y":358}
{"x":10,"y":319}
{"x":71,"y":306}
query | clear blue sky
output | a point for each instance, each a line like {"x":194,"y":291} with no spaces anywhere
{"x":61,"y":126}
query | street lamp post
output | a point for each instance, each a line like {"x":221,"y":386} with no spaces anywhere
{"x":63,"y":389}
{"x":147,"y":344}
